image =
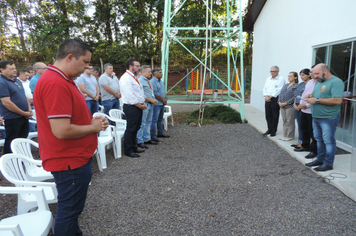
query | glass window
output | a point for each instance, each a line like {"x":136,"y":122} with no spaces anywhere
{"x":320,"y":55}
{"x":340,"y":57}
{"x":340,"y":60}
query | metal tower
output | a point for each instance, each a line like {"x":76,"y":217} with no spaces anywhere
{"x":222,"y":31}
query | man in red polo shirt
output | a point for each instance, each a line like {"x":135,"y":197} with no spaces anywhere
{"x":67,"y":134}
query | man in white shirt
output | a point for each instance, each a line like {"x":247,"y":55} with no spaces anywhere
{"x":89,"y":86}
{"x":24,"y":78}
{"x":271,"y":91}
{"x":133,"y":98}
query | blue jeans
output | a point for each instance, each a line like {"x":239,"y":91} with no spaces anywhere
{"x":157,"y":117}
{"x":93,"y":106}
{"x":72,"y":187}
{"x":144,"y":130}
{"x":324,"y":133}
{"x":300,"y":133}
{"x":111,"y":104}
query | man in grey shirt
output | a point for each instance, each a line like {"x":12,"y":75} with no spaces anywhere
{"x":110,"y":89}
{"x":88,"y":85}
{"x":143,"y":134}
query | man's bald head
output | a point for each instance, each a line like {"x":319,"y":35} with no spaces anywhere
{"x":39,"y":67}
{"x":321,"y":72}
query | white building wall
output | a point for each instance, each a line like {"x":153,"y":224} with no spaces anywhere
{"x":286,"y":31}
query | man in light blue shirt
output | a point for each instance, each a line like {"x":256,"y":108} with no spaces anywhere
{"x":89,"y":86}
{"x":143,"y":134}
{"x":110,"y":89}
{"x":39,"y":68}
{"x":158,"y":110}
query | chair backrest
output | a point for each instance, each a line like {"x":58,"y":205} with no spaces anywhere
{"x":168,"y":110}
{"x":13,"y":167}
{"x":116,"y":113}
{"x":23,"y":146}
{"x":101,"y":108}
{"x":34,"y":114}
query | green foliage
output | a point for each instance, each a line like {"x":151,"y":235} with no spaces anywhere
{"x":225,"y":114}
{"x":31,"y":30}
{"x":230,"y":117}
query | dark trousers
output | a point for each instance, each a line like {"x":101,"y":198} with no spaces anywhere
{"x":306,"y":123}
{"x":72,"y":187}
{"x":133,"y":117}
{"x":272,"y":114}
{"x":15,"y":128}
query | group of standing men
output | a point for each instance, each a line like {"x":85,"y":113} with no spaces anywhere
{"x":325,"y":102}
{"x":67,"y":132}
{"x":144,"y":99}
{"x":16,"y":95}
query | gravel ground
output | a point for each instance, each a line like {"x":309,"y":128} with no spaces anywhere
{"x":215,"y":180}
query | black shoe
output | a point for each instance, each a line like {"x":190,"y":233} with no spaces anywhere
{"x":301,"y":149}
{"x":138,"y":151}
{"x":141,"y":145}
{"x":163,"y":136}
{"x":151,"y":142}
{"x":273,"y":134}
{"x":132,"y":154}
{"x":323,"y":167}
{"x":314,"y":163}
{"x":266,"y":133}
{"x":311,"y":155}
{"x":155,"y":139}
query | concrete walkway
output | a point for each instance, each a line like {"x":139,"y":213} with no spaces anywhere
{"x":341,"y":176}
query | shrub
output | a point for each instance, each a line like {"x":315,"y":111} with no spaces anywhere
{"x":230,"y":117}
{"x":225,"y":114}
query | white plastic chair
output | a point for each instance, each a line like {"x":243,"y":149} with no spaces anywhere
{"x":2,"y":141}
{"x":167,"y":114}
{"x":121,"y":104}
{"x":120,"y":125}
{"x":36,"y":223}
{"x":13,"y":167}
{"x":101,"y":108}
{"x":32,"y":135}
{"x":105,"y":138}
{"x":116,"y":113}
{"x":34,"y":172}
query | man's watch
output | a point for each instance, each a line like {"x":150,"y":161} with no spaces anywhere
{"x":317,"y":101}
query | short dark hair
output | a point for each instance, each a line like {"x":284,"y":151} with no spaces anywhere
{"x":155,"y":70}
{"x":23,"y":71}
{"x":73,"y":46}
{"x":4,"y":63}
{"x":305,"y":71}
{"x":95,"y":68}
{"x":130,"y":63}
{"x":29,"y":68}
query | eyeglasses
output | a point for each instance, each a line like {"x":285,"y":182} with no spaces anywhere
{"x":44,"y":68}
{"x":137,"y":66}
{"x":274,"y":71}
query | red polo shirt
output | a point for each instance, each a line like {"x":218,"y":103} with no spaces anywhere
{"x":57,"y":96}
